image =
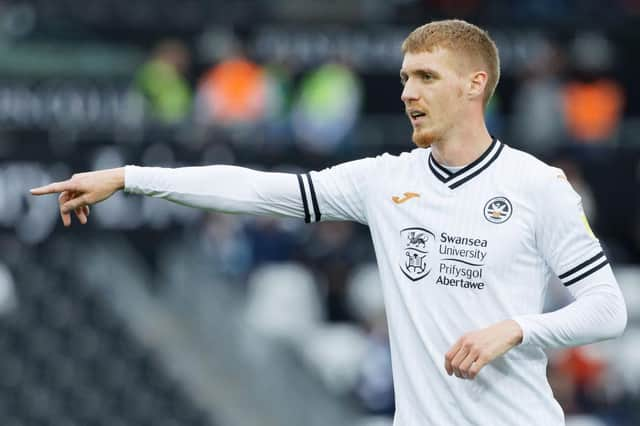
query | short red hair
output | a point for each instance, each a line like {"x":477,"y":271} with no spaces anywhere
{"x":459,"y":36}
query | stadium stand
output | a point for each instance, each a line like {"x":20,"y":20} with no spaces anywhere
{"x":66,"y":359}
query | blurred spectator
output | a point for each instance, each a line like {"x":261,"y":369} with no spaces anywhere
{"x":579,"y":377}
{"x":226,"y":246}
{"x":279,"y":88}
{"x":232,"y":92}
{"x":593,"y":102}
{"x":593,"y":109}
{"x":163,"y":83}
{"x":270,"y":241}
{"x":333,"y":249}
{"x":327,"y":107}
{"x":584,"y":369}
{"x":538,"y":124}
{"x":375,"y":383}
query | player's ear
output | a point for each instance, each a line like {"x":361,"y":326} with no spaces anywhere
{"x":477,"y":83}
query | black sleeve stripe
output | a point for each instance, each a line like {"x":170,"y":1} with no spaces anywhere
{"x":582,"y":265}
{"x":314,"y":200}
{"x":307,"y":217}
{"x":586,"y":274}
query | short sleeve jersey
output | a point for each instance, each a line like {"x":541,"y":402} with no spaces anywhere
{"x":458,"y":251}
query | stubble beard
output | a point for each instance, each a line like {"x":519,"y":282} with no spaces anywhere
{"x":423,"y":138}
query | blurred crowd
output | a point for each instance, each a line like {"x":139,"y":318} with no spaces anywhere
{"x":317,"y":108}
{"x":562,"y":94}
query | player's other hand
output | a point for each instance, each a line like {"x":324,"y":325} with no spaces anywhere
{"x":82,"y":190}
{"x":476,"y":349}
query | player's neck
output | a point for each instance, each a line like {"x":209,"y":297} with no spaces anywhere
{"x":463,"y":147}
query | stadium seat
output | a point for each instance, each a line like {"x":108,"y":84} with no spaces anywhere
{"x":283,"y":302}
{"x":335,"y":353}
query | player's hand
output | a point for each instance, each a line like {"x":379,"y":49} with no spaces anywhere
{"x":82,"y":190}
{"x":476,"y":349}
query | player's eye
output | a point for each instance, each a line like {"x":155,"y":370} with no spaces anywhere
{"x":427,"y":77}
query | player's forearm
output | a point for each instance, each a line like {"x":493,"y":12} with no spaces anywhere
{"x":598,"y":313}
{"x":227,"y":189}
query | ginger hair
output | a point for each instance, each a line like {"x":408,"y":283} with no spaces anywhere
{"x":458,"y":36}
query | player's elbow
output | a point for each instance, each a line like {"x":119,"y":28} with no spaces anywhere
{"x":616,"y":317}
{"x":609,"y":311}
{"x":620,"y":317}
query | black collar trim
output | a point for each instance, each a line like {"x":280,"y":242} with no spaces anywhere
{"x":454,"y":180}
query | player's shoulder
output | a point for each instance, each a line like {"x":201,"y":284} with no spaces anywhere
{"x":387,"y":164}
{"x":378,"y":168}
{"x":535,"y":177}
{"x":402,"y":159}
{"x":529,"y":167}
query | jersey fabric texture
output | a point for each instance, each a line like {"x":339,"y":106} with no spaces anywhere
{"x":456,"y":251}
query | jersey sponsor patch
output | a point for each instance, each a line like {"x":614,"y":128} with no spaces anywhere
{"x":417,"y":246}
{"x":498,"y":210}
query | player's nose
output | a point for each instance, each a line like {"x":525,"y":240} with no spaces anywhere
{"x":409,"y":93}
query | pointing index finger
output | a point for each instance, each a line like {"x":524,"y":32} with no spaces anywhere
{"x":52,"y":188}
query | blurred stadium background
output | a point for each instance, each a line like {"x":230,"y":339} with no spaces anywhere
{"x":154,"y":314}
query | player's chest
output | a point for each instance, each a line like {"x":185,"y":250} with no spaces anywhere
{"x":457,"y":234}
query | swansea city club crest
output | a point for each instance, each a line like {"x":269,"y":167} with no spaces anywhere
{"x":498,"y":210}
{"x":416,"y":245}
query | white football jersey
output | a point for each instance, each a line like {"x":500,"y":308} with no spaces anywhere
{"x":457,"y":251}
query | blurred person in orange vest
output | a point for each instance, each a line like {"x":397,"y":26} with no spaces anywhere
{"x":593,"y":110}
{"x":593,"y":102}
{"x":232,"y":92}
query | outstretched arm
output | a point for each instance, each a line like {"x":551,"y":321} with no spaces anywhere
{"x":335,"y":193}
{"x":227,"y":189}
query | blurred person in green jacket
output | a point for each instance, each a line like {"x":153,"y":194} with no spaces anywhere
{"x":162,"y":82}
